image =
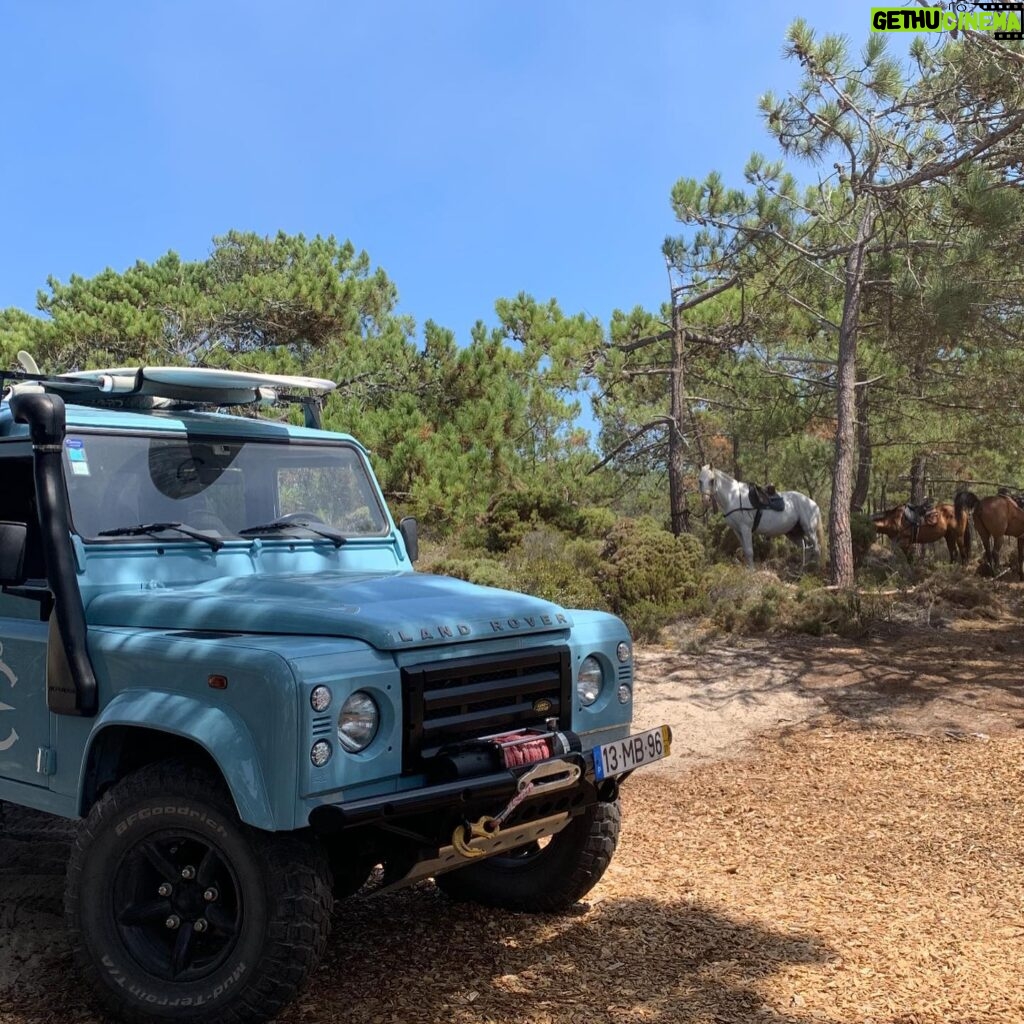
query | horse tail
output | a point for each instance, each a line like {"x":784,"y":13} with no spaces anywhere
{"x":967,"y":541}
{"x":965,"y":501}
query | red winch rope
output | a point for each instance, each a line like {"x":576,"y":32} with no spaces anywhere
{"x":517,"y":750}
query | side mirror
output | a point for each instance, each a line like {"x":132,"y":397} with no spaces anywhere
{"x":12,"y":554}
{"x":409,"y":529}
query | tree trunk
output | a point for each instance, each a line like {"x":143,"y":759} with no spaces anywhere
{"x":840,"y":538}
{"x":917,"y":481}
{"x":863,"y":484}
{"x":919,"y":464}
{"x":680,"y":515}
{"x":736,"y":471}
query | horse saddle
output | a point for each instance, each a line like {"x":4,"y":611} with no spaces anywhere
{"x":916,"y":515}
{"x":766,"y":498}
{"x":1017,"y":499}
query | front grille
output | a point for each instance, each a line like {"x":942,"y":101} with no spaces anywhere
{"x":448,"y":702}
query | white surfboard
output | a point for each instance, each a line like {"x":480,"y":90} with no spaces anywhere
{"x":181,"y":384}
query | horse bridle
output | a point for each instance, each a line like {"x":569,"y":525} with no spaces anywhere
{"x":710,"y":495}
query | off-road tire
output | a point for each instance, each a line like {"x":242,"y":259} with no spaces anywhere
{"x":282,"y":911}
{"x":549,"y":880}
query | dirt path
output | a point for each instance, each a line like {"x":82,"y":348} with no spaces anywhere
{"x":962,"y":681}
{"x":838,"y":837}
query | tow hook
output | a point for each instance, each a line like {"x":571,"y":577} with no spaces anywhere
{"x":545,"y":777}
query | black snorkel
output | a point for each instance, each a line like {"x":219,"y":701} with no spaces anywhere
{"x":70,"y":680}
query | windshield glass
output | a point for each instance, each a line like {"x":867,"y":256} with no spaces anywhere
{"x":218,"y":486}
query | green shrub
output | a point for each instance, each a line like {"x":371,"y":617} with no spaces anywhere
{"x":864,"y":535}
{"x":721,"y":539}
{"x":827,"y":612}
{"x":550,"y":565}
{"x":647,"y":574}
{"x":596,"y":523}
{"x":513,"y":514}
{"x":646,"y":620}
{"x":483,"y":571}
{"x":736,"y":600}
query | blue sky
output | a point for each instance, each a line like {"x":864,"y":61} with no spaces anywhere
{"x":474,"y":149}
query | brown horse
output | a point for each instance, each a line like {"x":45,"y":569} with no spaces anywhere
{"x":941,"y":522}
{"x":995,"y":518}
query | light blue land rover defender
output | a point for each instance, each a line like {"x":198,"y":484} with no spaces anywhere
{"x":215,"y":652}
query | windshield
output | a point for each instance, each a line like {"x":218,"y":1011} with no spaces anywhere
{"x":222,"y":487}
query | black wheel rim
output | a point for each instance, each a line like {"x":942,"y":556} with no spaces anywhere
{"x":177,"y":906}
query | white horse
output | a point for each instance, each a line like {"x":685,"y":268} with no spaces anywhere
{"x":800,"y":519}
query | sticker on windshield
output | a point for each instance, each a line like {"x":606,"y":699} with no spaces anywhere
{"x":76,"y":456}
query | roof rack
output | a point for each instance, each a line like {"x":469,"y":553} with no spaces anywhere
{"x":164,"y":387}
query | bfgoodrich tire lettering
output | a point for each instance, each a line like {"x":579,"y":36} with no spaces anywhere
{"x":164,"y":849}
{"x":549,"y":879}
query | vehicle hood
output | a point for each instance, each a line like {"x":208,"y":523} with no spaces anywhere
{"x":390,"y":611}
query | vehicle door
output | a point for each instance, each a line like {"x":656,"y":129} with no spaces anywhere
{"x":24,"y":717}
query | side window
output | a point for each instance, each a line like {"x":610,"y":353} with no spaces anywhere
{"x":18,"y":505}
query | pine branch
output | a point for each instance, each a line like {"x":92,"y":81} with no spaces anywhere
{"x":659,"y":421}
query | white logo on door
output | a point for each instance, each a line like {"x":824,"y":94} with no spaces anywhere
{"x":8,"y":673}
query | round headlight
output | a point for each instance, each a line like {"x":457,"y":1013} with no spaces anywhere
{"x":320,"y":699}
{"x":588,"y":681}
{"x":320,"y":754}
{"x":623,"y":652}
{"x":357,"y":722}
{"x":625,"y":694}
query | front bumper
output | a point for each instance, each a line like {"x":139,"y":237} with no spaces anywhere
{"x":463,"y":796}
{"x":429,"y":831}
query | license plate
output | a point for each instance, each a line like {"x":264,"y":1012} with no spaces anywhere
{"x":632,"y":752}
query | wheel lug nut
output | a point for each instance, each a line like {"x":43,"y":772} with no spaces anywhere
{"x":188,"y":873}
{"x":165,"y":889}
{"x":210,"y":895}
{"x":201,"y":925}
{"x":173,"y":922}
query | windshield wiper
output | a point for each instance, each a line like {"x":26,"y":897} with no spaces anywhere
{"x":153,"y":528}
{"x":336,"y":537}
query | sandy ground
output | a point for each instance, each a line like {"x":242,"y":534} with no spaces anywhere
{"x":964,"y":680}
{"x":838,"y":836}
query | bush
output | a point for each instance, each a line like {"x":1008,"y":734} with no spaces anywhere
{"x":486,"y":572}
{"x":948,"y":589}
{"x":864,"y":535}
{"x":828,"y":612}
{"x":597,"y":523}
{"x":722,"y":540}
{"x":647,"y":574}
{"x":738,"y":601}
{"x":511,"y":515}
{"x":550,"y":565}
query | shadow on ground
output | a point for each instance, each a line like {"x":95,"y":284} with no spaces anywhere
{"x":416,"y":956}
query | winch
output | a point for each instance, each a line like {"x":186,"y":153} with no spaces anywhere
{"x":543,"y":749}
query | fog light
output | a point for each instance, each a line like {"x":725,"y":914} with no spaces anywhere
{"x":623,"y":652}
{"x":321,"y":753}
{"x":320,"y":699}
{"x":625,"y":693}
